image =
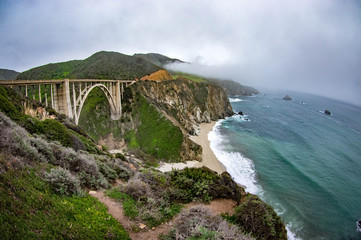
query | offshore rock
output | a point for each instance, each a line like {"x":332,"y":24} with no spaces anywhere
{"x":287,"y":97}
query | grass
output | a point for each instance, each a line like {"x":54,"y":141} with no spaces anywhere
{"x":193,"y":77}
{"x":29,"y":209}
{"x":155,"y":134}
{"x":129,"y":204}
{"x":151,"y":211}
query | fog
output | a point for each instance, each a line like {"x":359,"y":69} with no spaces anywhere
{"x":310,"y":46}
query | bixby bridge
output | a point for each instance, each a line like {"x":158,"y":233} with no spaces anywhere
{"x":67,"y":96}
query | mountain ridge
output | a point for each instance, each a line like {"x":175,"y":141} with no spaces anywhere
{"x":100,"y":65}
{"x":7,"y":74}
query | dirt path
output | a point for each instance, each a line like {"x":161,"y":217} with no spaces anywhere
{"x":116,"y":210}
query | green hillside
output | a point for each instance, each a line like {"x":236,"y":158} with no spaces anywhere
{"x":101,"y":65}
{"x":6,"y":74}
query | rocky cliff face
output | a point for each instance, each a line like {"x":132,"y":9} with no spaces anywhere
{"x":188,"y":103}
{"x":157,"y":118}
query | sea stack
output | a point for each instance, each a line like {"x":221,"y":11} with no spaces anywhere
{"x":287,"y":97}
{"x":327,"y":112}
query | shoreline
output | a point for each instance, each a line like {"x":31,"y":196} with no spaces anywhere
{"x":209,"y":159}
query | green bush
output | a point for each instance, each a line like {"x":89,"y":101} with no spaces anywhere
{"x":120,"y":156}
{"x":200,"y":223}
{"x":259,"y":219}
{"x":63,"y":182}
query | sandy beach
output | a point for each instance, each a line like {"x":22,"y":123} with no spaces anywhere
{"x":208,"y":158}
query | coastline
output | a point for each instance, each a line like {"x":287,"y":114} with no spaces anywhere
{"x":209,"y":159}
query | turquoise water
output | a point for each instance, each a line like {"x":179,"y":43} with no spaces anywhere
{"x":304,"y":163}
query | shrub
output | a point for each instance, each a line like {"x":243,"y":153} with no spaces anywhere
{"x":120,"y":156}
{"x":195,"y":183}
{"x":107,"y":171}
{"x":204,"y":184}
{"x":258,"y":218}
{"x":56,"y":131}
{"x":200,"y":223}
{"x":15,"y":140}
{"x":43,"y":148}
{"x":138,"y":190}
{"x":63,"y":182}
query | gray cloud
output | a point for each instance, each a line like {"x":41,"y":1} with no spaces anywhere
{"x":310,"y":45}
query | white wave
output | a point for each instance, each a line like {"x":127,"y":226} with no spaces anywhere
{"x":291,"y":235}
{"x":242,"y":170}
{"x":236,"y":100}
{"x":239,"y":167}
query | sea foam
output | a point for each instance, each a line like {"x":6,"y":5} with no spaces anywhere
{"x":235,"y":100}
{"x":241,"y":169}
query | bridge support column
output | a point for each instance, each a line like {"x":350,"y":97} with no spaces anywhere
{"x":76,"y":117}
{"x":117,"y":113}
{"x":40,"y":93}
{"x":46,"y":99}
{"x":52,"y":96}
{"x":62,"y":98}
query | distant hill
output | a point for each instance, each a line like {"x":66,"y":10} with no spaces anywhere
{"x":6,"y":74}
{"x":101,"y":65}
{"x":234,"y":88}
{"x":229,"y":86}
{"x":157,"y":59}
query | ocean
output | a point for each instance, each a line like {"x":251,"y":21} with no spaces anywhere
{"x":304,"y":163}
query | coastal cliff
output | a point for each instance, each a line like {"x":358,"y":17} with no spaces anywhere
{"x":188,"y":102}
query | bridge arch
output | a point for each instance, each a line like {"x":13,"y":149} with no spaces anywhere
{"x":70,"y":103}
{"x":115,"y":109}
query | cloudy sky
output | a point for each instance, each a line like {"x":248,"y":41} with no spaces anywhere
{"x":310,"y":45}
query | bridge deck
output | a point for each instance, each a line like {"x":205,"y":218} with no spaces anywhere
{"x":57,"y":81}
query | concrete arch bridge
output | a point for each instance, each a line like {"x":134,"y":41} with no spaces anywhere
{"x":67,"y":96}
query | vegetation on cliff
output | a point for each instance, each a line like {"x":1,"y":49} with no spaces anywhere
{"x":54,"y":127}
{"x":234,"y":88}
{"x":154,"y":197}
{"x":189,"y":103}
{"x":154,"y":133}
{"x":42,"y":188}
{"x":101,"y":65}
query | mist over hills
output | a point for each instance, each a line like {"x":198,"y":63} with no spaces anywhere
{"x":114,"y":65}
{"x":158,"y":59}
